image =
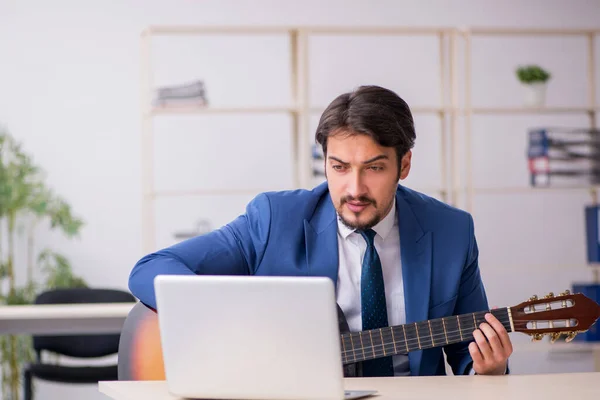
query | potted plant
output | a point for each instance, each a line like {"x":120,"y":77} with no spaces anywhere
{"x":534,"y":79}
{"x":26,"y":202}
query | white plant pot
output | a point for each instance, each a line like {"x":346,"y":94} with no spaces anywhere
{"x":535,"y":94}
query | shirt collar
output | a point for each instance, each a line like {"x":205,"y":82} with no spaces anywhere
{"x":383,"y":227}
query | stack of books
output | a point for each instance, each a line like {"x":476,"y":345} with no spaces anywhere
{"x":203,"y":226}
{"x":187,"y":94}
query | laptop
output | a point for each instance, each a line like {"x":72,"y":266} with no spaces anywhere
{"x":251,"y":337}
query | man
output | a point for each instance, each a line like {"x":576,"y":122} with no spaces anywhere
{"x":396,"y":256}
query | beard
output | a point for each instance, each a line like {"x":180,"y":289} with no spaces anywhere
{"x":356,"y":224}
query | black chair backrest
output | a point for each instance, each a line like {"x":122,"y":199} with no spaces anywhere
{"x":85,"y":345}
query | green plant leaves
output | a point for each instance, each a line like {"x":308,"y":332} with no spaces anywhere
{"x":25,"y":195}
{"x":58,"y":271}
{"x":532,"y":74}
{"x":21,"y":295}
{"x":3,"y":270}
{"x":60,"y":216}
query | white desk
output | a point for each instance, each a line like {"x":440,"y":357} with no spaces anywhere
{"x":63,"y":318}
{"x":546,"y":387}
{"x":562,"y":347}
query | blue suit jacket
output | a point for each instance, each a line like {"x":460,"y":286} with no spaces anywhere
{"x":295,"y":233}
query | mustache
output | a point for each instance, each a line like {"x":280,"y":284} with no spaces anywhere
{"x":362,"y":199}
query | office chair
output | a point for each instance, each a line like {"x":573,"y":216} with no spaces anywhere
{"x":76,"y":346}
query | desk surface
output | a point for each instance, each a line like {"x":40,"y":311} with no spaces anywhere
{"x":63,"y":318}
{"x":547,"y":387}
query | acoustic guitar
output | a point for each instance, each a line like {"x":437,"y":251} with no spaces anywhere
{"x":140,"y":353}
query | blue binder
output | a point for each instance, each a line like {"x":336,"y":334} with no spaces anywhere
{"x":592,"y":225}
{"x":591,"y":290}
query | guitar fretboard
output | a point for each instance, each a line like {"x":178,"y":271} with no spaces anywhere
{"x":402,"y":339}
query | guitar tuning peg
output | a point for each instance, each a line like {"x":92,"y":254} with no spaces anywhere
{"x":554,"y":336}
{"x":549,"y":295}
{"x":536,"y":337}
{"x":534,"y":297}
{"x":566,"y":293}
{"x":570,"y":336}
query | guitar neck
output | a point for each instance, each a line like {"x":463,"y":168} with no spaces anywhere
{"x":402,"y":339}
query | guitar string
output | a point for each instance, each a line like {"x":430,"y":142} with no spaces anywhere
{"x":367,"y":351}
{"x":411,"y":339}
{"x":386,"y":330}
{"x":454,"y":334}
{"x":451,"y":334}
{"x":349,"y":356}
{"x":388,"y":350}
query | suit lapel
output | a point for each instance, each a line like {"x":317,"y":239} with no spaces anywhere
{"x":415,"y":249}
{"x":320,"y":235}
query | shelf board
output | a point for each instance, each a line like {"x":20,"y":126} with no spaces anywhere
{"x":309,"y":29}
{"x":525,"y":189}
{"x":209,"y":192}
{"x":355,"y":30}
{"x":530,"y":31}
{"x":425,"y":189}
{"x":207,"y":29}
{"x":192,"y":110}
{"x":375,"y":30}
{"x":532,"y":110}
{"x":414,"y":110}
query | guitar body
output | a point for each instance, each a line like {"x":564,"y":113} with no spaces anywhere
{"x":140,"y":352}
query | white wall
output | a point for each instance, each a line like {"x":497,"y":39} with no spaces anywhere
{"x":70,"y":88}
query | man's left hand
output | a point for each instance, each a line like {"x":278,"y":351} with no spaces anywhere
{"x":491,"y":348}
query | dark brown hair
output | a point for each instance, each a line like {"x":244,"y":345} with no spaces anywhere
{"x":369,"y":110}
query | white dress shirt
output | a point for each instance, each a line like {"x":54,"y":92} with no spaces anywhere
{"x":352,"y":247}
